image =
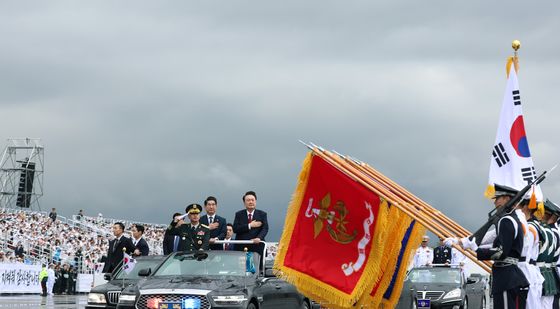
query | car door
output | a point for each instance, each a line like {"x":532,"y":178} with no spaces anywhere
{"x":277,"y":293}
{"x":474,"y":289}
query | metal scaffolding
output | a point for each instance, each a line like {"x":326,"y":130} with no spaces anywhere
{"x":21,"y":174}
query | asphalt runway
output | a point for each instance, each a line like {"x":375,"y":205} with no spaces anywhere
{"x":37,"y":301}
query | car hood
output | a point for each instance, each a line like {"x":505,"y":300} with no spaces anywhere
{"x":113,"y":285}
{"x":422,"y":286}
{"x":196,"y":282}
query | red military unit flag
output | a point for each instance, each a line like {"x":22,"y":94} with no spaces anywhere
{"x":338,"y":239}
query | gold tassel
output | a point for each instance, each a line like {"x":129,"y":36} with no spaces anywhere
{"x":533,"y":200}
{"x":515,"y":61}
{"x":490,"y":192}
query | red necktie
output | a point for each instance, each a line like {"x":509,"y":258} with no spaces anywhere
{"x":250,"y":217}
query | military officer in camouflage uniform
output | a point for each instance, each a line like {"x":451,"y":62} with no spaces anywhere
{"x":193,"y":235}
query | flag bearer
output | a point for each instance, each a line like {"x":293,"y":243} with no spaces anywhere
{"x":530,"y":253}
{"x":504,"y":246}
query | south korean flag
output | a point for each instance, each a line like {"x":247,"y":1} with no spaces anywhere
{"x":128,"y":263}
{"x":511,"y":163}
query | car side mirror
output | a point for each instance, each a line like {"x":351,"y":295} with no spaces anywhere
{"x":269,"y":272}
{"x":144,"y":272}
{"x":107,"y":277}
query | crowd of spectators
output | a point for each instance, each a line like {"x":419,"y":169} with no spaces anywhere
{"x":34,"y":237}
{"x":80,"y":243}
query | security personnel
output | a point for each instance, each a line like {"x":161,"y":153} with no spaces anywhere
{"x":442,"y":253}
{"x":424,"y":255}
{"x":509,"y":285}
{"x":193,"y":235}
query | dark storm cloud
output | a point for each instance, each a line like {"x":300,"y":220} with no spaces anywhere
{"x":144,"y":107}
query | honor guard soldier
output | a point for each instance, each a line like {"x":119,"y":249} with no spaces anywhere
{"x":526,"y":211}
{"x":509,"y":285}
{"x":193,"y":235}
{"x":442,"y":253}
{"x":424,"y":255}
{"x":548,"y":260}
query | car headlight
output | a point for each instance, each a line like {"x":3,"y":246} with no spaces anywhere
{"x":229,"y":299}
{"x":127,"y":298}
{"x":456,"y":293}
{"x":97,"y":298}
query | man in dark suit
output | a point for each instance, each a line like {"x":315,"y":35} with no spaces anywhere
{"x":229,"y":235}
{"x":116,"y":247}
{"x":193,"y":235}
{"x":170,"y":241}
{"x":140,"y":244}
{"x":215,"y":223}
{"x":18,"y":252}
{"x":250,"y":224}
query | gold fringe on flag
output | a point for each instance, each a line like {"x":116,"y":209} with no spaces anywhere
{"x":415,"y":238}
{"x":313,"y":288}
{"x":390,"y":259}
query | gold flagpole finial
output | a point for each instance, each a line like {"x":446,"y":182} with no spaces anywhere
{"x":516,"y":45}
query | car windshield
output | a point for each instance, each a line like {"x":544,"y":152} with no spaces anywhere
{"x":204,"y":263}
{"x":140,"y":264}
{"x":435,"y":275}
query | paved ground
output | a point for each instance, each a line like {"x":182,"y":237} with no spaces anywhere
{"x":36,"y":301}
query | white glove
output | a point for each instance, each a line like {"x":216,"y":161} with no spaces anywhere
{"x":469,"y":244}
{"x":448,"y":242}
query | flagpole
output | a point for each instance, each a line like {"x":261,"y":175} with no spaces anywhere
{"x":406,"y":195}
{"x":415,"y":212}
{"x":439,"y":228}
{"x":122,"y":267}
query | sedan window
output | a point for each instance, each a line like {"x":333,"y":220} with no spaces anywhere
{"x":189,"y":265}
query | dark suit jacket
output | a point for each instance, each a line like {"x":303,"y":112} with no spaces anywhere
{"x":242,"y":231}
{"x":231,"y":247}
{"x":219,"y":233}
{"x":114,"y":257}
{"x":142,"y":245}
{"x":168,"y":240}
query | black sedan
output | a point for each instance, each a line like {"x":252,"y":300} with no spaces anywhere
{"x":107,"y":295}
{"x":442,"y":287}
{"x":211,"y":279}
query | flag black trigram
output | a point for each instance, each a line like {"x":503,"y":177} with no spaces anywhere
{"x":528,"y":174}
{"x":500,"y":155}
{"x":516,"y":97}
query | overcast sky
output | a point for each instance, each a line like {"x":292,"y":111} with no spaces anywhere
{"x":145,"y":107}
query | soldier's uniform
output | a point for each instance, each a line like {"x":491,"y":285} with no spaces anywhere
{"x":424,"y":255}
{"x":503,"y":244}
{"x":442,"y":255}
{"x":192,"y":238}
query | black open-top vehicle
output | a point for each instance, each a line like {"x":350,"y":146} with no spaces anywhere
{"x":107,"y":295}
{"x":211,"y":279}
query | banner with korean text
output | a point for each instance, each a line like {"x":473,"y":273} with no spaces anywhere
{"x":19,"y":278}
{"x":335,"y":234}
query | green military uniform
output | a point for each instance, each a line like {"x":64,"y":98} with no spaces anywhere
{"x":192,"y":238}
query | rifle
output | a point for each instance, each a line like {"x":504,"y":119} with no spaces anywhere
{"x":497,"y":213}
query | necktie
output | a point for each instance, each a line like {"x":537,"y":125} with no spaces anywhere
{"x":250,"y":217}
{"x":210,"y":220}
{"x":175,"y":243}
{"x":226,"y":246}
{"x":115,"y":244}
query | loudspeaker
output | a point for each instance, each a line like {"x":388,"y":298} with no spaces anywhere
{"x":25,"y":184}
